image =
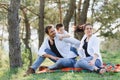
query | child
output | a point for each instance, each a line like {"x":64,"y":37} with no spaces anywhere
{"x":62,"y":34}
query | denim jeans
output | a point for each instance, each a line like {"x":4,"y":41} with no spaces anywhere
{"x":74,"y":50}
{"x":84,"y":63}
{"x":63,"y":62}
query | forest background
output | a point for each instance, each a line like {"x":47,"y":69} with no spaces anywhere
{"x":22,"y":25}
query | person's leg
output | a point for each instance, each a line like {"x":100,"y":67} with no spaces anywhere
{"x":48,"y":51}
{"x":63,"y":62}
{"x":40,"y":59}
{"x":34,"y":66}
{"x":74,"y":50}
{"x":84,"y":63}
{"x":37,"y":62}
{"x":98,"y":63}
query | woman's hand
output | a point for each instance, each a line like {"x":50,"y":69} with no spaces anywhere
{"x":92,"y":62}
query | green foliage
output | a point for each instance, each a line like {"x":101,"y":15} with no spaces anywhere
{"x":110,"y":49}
{"x":25,"y":56}
{"x":51,"y":16}
{"x":4,"y":60}
{"x":111,"y":44}
{"x":108,"y":16}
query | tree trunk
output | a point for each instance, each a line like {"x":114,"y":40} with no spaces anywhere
{"x":13,"y":29}
{"x":79,"y":11}
{"x":41,"y":23}
{"x":60,"y":10}
{"x":69,"y":14}
{"x":92,"y":10}
{"x":27,"y":36}
{"x":83,"y":19}
{"x":83,"y":16}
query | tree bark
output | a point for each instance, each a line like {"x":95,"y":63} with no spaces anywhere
{"x":41,"y":23}
{"x":79,"y":11}
{"x":69,"y":14}
{"x":83,"y":18}
{"x":13,"y":29}
{"x":60,"y":10}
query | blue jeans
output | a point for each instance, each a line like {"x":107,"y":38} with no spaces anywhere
{"x":84,"y":63}
{"x":74,"y":50}
{"x":63,"y":62}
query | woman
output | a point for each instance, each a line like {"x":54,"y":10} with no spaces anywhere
{"x":89,"y":52}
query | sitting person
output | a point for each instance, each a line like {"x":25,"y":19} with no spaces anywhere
{"x":89,"y":52}
{"x":56,"y":50}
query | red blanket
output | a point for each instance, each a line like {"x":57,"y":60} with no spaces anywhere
{"x":109,"y":68}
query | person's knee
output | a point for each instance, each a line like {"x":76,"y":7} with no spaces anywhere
{"x":79,"y":64}
{"x":98,"y":63}
{"x":60,"y":61}
{"x":47,"y":50}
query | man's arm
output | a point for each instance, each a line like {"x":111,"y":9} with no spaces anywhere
{"x":51,"y":57}
{"x":42,"y":52}
{"x":64,"y":36}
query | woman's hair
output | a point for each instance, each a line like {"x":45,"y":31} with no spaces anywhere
{"x":87,"y":24}
{"x":81,"y":28}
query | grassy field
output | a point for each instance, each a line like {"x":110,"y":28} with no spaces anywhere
{"x":108,"y":57}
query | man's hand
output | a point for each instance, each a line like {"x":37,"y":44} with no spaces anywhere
{"x":55,"y":58}
{"x":51,"y":57}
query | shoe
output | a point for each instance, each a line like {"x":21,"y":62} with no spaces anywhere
{"x":101,"y":71}
{"x":29,"y":71}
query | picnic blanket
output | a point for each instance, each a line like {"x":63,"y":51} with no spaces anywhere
{"x":108,"y":66}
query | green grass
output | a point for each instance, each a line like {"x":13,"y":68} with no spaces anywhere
{"x":6,"y":75}
{"x":17,"y":74}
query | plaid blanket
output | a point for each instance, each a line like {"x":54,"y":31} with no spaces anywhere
{"x":108,"y":66}
{"x":112,"y":67}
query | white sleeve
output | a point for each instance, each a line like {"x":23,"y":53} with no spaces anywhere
{"x":44,"y":46}
{"x":96,"y":45}
{"x":72,"y":41}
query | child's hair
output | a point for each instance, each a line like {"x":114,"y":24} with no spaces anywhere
{"x":59,"y":26}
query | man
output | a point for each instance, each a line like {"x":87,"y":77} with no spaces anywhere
{"x":56,"y":50}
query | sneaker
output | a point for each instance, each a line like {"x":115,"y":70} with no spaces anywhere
{"x":29,"y":71}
